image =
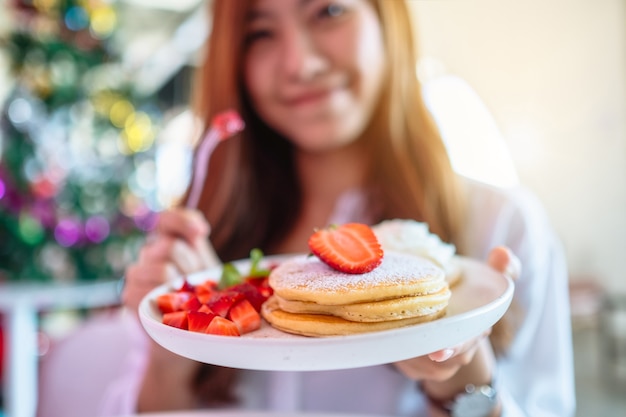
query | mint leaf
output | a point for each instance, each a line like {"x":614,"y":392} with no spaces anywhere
{"x":256,"y":256}
{"x":230,"y":276}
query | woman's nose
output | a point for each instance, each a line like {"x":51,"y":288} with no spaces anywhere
{"x":302,"y":59}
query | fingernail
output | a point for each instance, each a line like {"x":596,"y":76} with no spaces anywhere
{"x":445,"y":355}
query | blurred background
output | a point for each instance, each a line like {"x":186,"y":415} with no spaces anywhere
{"x":95,"y":138}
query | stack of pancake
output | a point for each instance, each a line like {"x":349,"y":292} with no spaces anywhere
{"x":312,"y":299}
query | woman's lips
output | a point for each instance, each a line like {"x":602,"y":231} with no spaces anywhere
{"x":308,"y":98}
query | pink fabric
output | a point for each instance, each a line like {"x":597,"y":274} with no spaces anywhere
{"x":76,"y":373}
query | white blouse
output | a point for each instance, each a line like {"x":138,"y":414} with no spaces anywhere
{"x":535,"y":379}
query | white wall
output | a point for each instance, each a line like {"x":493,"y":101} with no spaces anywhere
{"x":553,"y":72}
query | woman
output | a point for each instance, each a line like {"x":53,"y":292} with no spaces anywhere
{"x":336,"y":130}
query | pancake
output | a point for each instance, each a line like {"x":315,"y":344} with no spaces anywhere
{"x":376,"y":311}
{"x":306,"y":278}
{"x":320,"y":325}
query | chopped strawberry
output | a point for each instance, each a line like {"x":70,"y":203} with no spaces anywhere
{"x":222,"y":301}
{"x":205,"y":309}
{"x":186,"y":287}
{"x":222,"y":326}
{"x":251,"y":293}
{"x":261,"y":284}
{"x":351,"y":248}
{"x":207,"y":286}
{"x":199,"y":322}
{"x":172,"y":301}
{"x":245,"y":316}
{"x":193,"y":304}
{"x":176,"y":319}
{"x":265,"y":289}
{"x":205,"y":291}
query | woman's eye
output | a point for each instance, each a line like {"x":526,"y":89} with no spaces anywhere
{"x":257,"y":35}
{"x":332,"y":10}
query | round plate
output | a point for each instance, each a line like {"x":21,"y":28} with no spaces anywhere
{"x":478,"y":301}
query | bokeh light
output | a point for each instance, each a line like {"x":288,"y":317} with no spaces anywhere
{"x":103,"y":22}
{"x":97,"y":229}
{"x":76,"y":18}
{"x":30,"y":229}
{"x":120,"y":111}
{"x":138,"y":132}
{"x":68,"y":232}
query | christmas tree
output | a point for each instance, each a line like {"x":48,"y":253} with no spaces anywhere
{"x":76,"y":147}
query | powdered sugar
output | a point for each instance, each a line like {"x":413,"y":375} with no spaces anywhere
{"x":310,"y":273}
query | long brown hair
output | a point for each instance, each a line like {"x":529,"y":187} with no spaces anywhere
{"x":251,"y":197}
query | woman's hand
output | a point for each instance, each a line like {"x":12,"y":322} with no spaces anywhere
{"x":443,"y":365}
{"x":178,"y":246}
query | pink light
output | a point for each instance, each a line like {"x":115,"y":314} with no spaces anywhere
{"x":67,"y":233}
{"x":97,"y":229}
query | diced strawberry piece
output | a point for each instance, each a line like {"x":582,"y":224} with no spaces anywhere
{"x":176,"y":319}
{"x":223,"y":327}
{"x":351,"y":248}
{"x":250,"y":293}
{"x":193,"y":304}
{"x":245,"y":316}
{"x":172,"y":301}
{"x":186,"y":287}
{"x":265,"y":289}
{"x":221,"y":302}
{"x":205,"y":291}
{"x":205,"y":309}
{"x":199,"y":321}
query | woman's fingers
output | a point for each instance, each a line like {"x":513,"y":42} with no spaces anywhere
{"x":142,"y":278}
{"x":169,"y":249}
{"x":186,"y":224}
{"x":443,"y":364}
{"x":190,"y":227}
{"x":504,"y":260}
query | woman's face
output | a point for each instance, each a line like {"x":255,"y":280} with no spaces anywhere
{"x":314,"y":69}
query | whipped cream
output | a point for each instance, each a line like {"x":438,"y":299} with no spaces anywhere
{"x":413,"y":237}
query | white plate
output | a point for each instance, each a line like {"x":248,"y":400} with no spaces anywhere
{"x":478,"y":301}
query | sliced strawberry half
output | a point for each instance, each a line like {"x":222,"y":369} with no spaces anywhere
{"x":351,"y":248}
{"x":172,"y":301}
{"x":245,"y":316}
{"x":199,"y":322}
{"x":251,"y":293}
{"x":193,"y":304}
{"x":223,"y":327}
{"x":222,"y":301}
{"x":206,"y":290}
{"x":176,"y":319}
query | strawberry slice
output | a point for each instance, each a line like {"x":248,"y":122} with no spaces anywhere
{"x":186,"y":287}
{"x":351,"y":248}
{"x":222,"y":301}
{"x":251,"y":293}
{"x":205,"y":309}
{"x":172,"y":301}
{"x":176,"y":319}
{"x":245,"y":316}
{"x":223,"y":327}
{"x":205,"y":291}
{"x":198,"y":321}
{"x":193,"y":304}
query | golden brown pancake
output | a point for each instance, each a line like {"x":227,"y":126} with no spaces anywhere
{"x":306,"y":278}
{"x":319,"y":325}
{"x":375,"y":311}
